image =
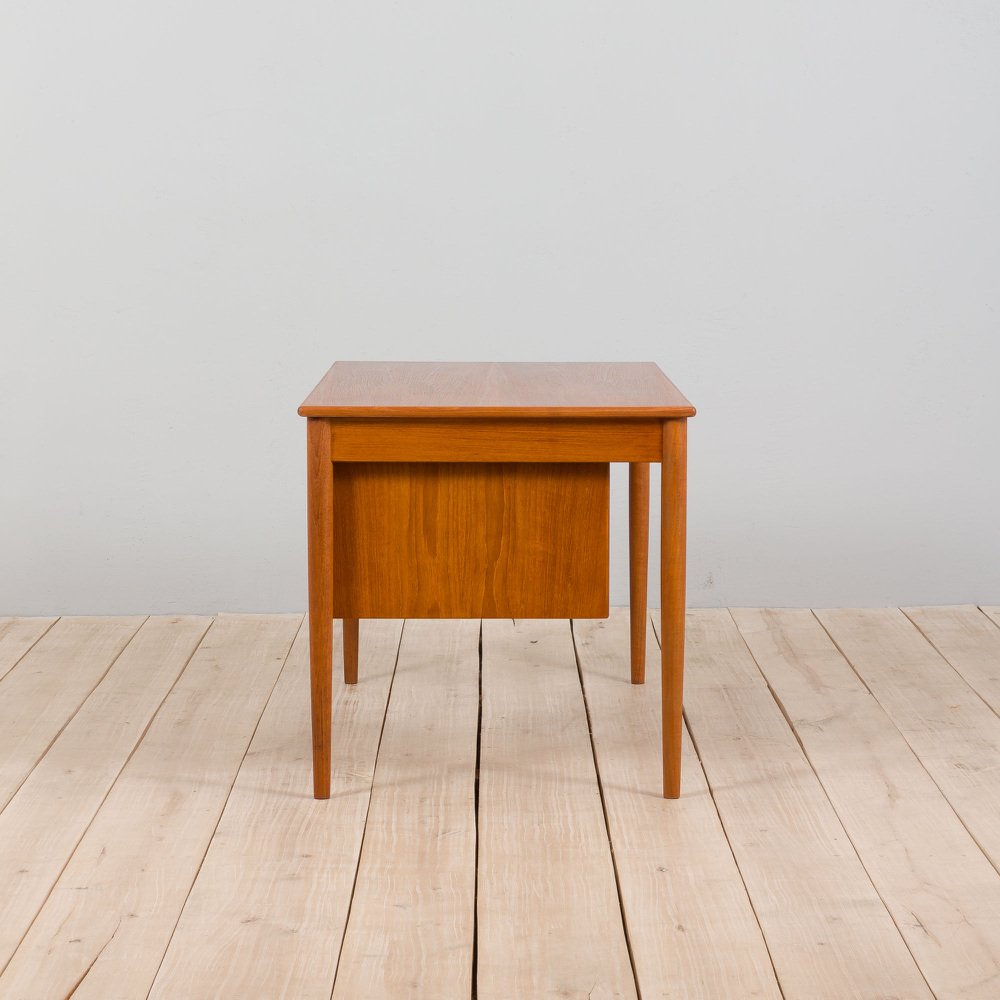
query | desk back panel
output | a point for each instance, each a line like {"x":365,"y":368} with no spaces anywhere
{"x":480,"y":540}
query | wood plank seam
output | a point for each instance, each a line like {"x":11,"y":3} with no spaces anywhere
{"x":937,"y":649}
{"x":104,"y":798}
{"x":608,"y":809}
{"x":76,"y":710}
{"x":34,"y":643}
{"x":930,"y":774}
{"x":371,"y":790}
{"x":931,"y":876}
{"x":410,"y":927}
{"x":550,"y":922}
{"x":825,"y":797}
{"x":475,"y":807}
{"x":805,"y":753}
{"x":236,"y":771}
{"x":271,"y":899}
{"x":93,"y":961}
{"x":729,"y":843}
{"x":120,"y":870}
{"x":725,"y":833}
{"x":604,"y":813}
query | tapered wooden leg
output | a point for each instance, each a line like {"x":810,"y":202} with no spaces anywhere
{"x":638,"y":564}
{"x":673,"y":567}
{"x":350,"y":651}
{"x":319,"y":503}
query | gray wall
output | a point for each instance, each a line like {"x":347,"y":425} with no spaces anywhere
{"x":792,"y":208}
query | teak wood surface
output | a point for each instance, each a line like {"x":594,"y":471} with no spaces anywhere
{"x":495,"y":540}
{"x":495,"y":389}
{"x":480,"y":490}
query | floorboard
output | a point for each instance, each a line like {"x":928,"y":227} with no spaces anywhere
{"x":45,"y":819}
{"x":496,"y":828}
{"x":681,"y":891}
{"x":50,"y":682}
{"x":942,"y":892}
{"x":950,"y":728}
{"x":267,"y":912}
{"x":969,"y":640}
{"x":548,"y":914}
{"x":103,"y":930}
{"x":410,"y":933}
{"x":17,"y":636}
{"x":828,"y":932}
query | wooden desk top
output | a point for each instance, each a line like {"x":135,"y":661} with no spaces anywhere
{"x":495,"y":389}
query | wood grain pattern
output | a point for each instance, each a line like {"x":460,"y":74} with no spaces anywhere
{"x":464,"y":541}
{"x":264,"y":920}
{"x":267,"y":913}
{"x":495,"y":389}
{"x":692,"y":929}
{"x":498,"y":440}
{"x":102,"y":932}
{"x":43,"y":822}
{"x":969,"y":641}
{"x":827,"y":931}
{"x":395,"y":552}
{"x":410,"y":933}
{"x":947,"y":725}
{"x":638,"y":566}
{"x":673,"y":596}
{"x":319,"y":513}
{"x":55,"y":677}
{"x":942,"y":892}
{"x":17,"y":636}
{"x":549,"y":923}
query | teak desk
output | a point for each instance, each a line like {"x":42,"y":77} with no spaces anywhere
{"x":481,"y":491}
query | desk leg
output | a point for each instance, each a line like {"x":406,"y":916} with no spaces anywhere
{"x":319,"y":503}
{"x":351,"y":651}
{"x":673,"y":565}
{"x":638,"y":563}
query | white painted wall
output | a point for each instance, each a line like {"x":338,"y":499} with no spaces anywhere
{"x":793,"y":208}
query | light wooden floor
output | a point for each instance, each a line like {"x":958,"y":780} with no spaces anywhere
{"x":495,"y":828}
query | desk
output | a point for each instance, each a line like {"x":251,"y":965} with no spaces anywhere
{"x":481,"y":490}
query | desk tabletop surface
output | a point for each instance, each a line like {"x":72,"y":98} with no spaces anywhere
{"x":495,"y":389}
